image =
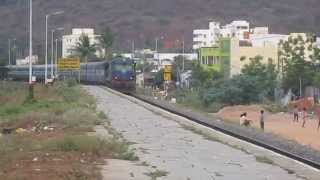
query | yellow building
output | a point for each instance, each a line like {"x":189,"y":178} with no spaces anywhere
{"x":242,"y":52}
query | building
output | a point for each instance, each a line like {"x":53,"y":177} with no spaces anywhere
{"x":261,"y":40}
{"x":25,"y":61}
{"x":232,"y":54}
{"x":215,"y":56}
{"x":236,"y":29}
{"x":318,"y":42}
{"x":206,"y":37}
{"x":172,"y":56}
{"x":69,"y":42}
{"x":240,"y":55}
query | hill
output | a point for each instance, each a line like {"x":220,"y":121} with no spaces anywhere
{"x":143,"y":20}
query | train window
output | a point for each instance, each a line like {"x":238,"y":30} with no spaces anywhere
{"x":123,"y":67}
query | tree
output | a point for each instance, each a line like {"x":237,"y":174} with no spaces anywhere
{"x":84,"y":48}
{"x":240,"y":89}
{"x":204,"y":77}
{"x":256,"y":83}
{"x":106,"y":41}
{"x":295,"y":69}
{"x":178,"y":63}
{"x":266,"y":75}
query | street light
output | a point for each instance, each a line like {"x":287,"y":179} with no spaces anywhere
{"x":46,"y":58}
{"x":9,"y":51}
{"x":56,"y":58}
{"x":52,"y":36}
{"x":30,"y":48}
{"x":182,"y":54}
{"x":156,"y":49}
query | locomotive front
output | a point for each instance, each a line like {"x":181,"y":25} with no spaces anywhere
{"x":123,"y":74}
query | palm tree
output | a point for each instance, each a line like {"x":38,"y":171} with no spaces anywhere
{"x":84,"y":48}
{"x":106,"y":41}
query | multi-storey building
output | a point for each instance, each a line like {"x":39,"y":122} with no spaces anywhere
{"x":69,"y":42}
{"x":260,"y":40}
{"x":230,"y":55}
{"x":206,"y":37}
{"x":236,"y":29}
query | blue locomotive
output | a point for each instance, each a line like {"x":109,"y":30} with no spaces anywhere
{"x":119,"y":73}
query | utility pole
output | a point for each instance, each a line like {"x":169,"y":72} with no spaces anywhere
{"x":300,"y":82}
{"x":132,"y":48}
{"x":9,"y":51}
{"x":157,"y":53}
{"x":183,"y":55}
{"x":52,"y":51}
{"x":52,"y":36}
{"x":30,"y":47}
{"x":46,"y":58}
{"x":56,"y":58}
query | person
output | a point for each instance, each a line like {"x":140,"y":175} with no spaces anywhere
{"x":318,"y":115}
{"x":243,"y":120}
{"x":318,"y":123}
{"x":304,"y":116}
{"x":295,"y":114}
{"x":262,"y":119}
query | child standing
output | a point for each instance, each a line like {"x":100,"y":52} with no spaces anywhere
{"x":262,"y":120}
{"x":295,"y":114}
{"x":304,"y":116}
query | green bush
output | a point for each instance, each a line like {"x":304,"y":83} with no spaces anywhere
{"x":72,"y":82}
{"x":240,"y":89}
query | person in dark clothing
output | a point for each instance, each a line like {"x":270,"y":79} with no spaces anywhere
{"x":304,"y":117}
{"x":295,"y":114}
{"x":262,"y":118}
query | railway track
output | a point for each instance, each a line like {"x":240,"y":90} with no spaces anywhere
{"x":270,"y":142}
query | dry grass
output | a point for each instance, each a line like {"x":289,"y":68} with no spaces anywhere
{"x":70,"y":113}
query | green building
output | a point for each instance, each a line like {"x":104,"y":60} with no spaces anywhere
{"x":216,"y":58}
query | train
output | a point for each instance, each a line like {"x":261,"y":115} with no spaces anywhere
{"x":118,"y":73}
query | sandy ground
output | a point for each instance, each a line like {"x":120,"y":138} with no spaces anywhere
{"x":280,"y":123}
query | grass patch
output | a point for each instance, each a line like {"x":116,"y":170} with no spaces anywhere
{"x":69,"y":112}
{"x":157,"y":174}
{"x":263,"y":159}
{"x":102,"y":115}
{"x":201,"y":133}
{"x":144,"y":163}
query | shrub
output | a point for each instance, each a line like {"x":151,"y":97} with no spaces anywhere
{"x":80,"y":118}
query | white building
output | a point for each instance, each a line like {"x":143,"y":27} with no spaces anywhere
{"x":172,"y":56}
{"x":209,"y":37}
{"x":69,"y":41}
{"x":262,"y":40}
{"x":318,"y":42}
{"x":237,"y":29}
{"x":206,"y":37}
{"x":25,"y":61}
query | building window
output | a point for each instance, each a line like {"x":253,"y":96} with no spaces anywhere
{"x":270,"y":60}
{"x":203,"y":60}
{"x":216,"y":60}
{"x":210,"y":60}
